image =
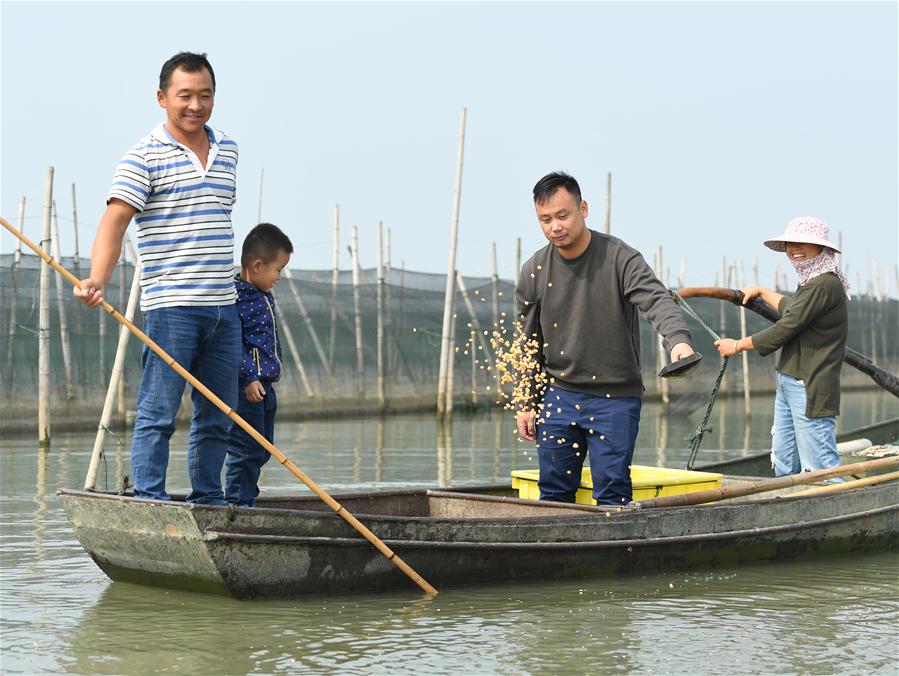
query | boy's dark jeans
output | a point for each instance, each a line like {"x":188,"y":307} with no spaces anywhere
{"x":245,"y":455}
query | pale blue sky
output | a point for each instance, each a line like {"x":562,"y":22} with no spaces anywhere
{"x":720,"y":121}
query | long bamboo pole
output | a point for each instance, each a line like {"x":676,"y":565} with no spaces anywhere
{"x":379,"y":300}
{"x":475,"y":324}
{"x":76,"y":255}
{"x":307,"y":320}
{"x":61,"y":308}
{"x":607,"y":224}
{"x":744,"y":358}
{"x":43,"y":341}
{"x":754,"y":487}
{"x":335,"y":279}
{"x":846,"y":485}
{"x":357,"y":316}
{"x":243,"y":424}
{"x":16,"y":262}
{"x":886,"y":380}
{"x":90,"y":481}
{"x":294,"y":352}
{"x":494,"y":286}
{"x":449,"y":295}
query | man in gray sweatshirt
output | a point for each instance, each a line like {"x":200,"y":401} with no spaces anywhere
{"x":578,"y":299}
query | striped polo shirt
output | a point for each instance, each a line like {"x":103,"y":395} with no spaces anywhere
{"x":184,"y":236}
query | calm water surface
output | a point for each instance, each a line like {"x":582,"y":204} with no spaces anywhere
{"x":60,"y":613}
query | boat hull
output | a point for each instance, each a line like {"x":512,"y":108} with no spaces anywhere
{"x":294,"y":546}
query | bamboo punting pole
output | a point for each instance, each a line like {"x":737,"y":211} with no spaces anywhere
{"x":43,"y":359}
{"x":118,"y":369}
{"x":379,"y":299}
{"x":76,"y":255}
{"x":607,"y":224}
{"x":244,"y":425}
{"x":307,"y":320}
{"x":284,"y":330}
{"x":494,"y":286}
{"x":754,"y":487}
{"x":102,"y":341}
{"x":357,"y":317}
{"x":335,"y":279}
{"x":16,"y":262}
{"x":449,"y":295}
{"x":61,"y":308}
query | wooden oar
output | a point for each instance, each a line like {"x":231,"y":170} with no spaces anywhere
{"x":278,"y":455}
{"x":751,"y":488}
{"x":887,"y":380}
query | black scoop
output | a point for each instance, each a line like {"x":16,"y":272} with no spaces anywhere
{"x":681,"y":367}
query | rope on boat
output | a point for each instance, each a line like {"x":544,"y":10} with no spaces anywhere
{"x":695,"y":438}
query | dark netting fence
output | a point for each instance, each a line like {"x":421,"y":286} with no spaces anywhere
{"x":318,"y":335}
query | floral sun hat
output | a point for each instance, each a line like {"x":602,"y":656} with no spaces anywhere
{"x":805,"y":230}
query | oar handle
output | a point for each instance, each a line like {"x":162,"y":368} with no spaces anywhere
{"x":249,"y":429}
{"x":885,"y":379}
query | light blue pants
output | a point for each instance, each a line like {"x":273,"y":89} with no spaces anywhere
{"x":800,"y":443}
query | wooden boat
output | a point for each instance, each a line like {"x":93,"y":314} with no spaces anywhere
{"x":289,"y":546}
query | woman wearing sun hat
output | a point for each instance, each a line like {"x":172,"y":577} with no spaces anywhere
{"x":811,"y":334}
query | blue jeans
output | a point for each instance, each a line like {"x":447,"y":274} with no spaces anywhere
{"x":575,"y":424}
{"x":206,"y":341}
{"x":800,"y":443}
{"x":246,"y":456}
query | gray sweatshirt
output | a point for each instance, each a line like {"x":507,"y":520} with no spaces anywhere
{"x":583,"y":312}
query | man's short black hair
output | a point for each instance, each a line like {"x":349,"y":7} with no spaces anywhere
{"x":188,"y":61}
{"x":548,"y":185}
{"x":264,"y":242}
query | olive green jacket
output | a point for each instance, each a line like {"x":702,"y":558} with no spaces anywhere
{"x":811,"y":334}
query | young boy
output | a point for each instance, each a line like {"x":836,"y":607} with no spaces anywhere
{"x":266,"y":251}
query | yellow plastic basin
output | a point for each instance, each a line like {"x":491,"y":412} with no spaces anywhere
{"x":648,"y":482}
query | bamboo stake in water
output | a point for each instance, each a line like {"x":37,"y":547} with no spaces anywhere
{"x":118,"y":368}
{"x":443,"y":400}
{"x":123,"y":283}
{"x":494,"y":286}
{"x":475,"y":324}
{"x":450,"y":371}
{"x":43,"y":360}
{"x":660,"y":343}
{"x":389,"y":326}
{"x":284,"y":330}
{"x":61,"y":308}
{"x":607,"y":225}
{"x":747,"y":400}
{"x":307,"y":320}
{"x":379,"y":300}
{"x":76,"y":256}
{"x":474,"y":368}
{"x":335,"y":278}
{"x":244,"y":425}
{"x":14,"y":271}
{"x":517,"y":260}
{"x":357,"y":316}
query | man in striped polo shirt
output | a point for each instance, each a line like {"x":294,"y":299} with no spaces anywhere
{"x":178,"y":184}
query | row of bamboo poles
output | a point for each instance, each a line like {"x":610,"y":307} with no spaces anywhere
{"x":478,"y":336}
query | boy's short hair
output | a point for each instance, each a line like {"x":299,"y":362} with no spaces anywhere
{"x":264,"y":242}
{"x":187,"y":61}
